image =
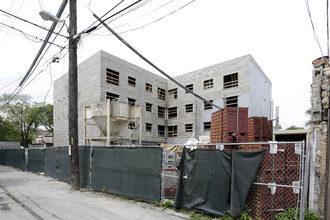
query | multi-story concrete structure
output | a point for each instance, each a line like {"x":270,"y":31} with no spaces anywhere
{"x":169,"y":113}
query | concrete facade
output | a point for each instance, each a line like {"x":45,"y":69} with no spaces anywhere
{"x":252,"y":89}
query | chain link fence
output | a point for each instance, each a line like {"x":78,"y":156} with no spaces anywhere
{"x":279,"y":183}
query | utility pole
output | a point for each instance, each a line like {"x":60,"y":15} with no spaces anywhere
{"x":73,"y":97}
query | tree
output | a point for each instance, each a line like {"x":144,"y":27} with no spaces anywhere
{"x":308,"y":113}
{"x":7,"y":131}
{"x":293,"y":127}
{"x":25,"y":116}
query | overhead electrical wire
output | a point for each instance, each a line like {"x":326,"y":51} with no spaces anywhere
{"x":153,"y":65}
{"x":26,"y":35}
{"x":29,"y":22}
{"x":134,"y":29}
{"x":314,"y":31}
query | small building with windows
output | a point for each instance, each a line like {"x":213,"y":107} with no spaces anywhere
{"x":169,"y":113}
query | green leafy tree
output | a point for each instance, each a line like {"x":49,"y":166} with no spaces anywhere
{"x":7,"y":130}
{"x":25,"y":116}
{"x":308,"y":113}
{"x":293,"y":127}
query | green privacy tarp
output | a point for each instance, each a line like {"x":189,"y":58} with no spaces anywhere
{"x":133,"y":172}
{"x":3,"y":157}
{"x":36,"y":160}
{"x":50,"y":161}
{"x":209,"y":180}
{"x":63,"y":164}
{"x":16,"y":158}
{"x":84,"y":155}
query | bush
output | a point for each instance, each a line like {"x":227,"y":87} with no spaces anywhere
{"x":290,"y":214}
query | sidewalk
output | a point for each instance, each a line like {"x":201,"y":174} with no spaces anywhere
{"x":25,"y":195}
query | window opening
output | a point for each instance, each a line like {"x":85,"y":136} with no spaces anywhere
{"x":148,"y":127}
{"x":189,"y":127}
{"x":161,"y":131}
{"x":148,"y":87}
{"x":131,"y":81}
{"x":172,"y":112}
{"x":189,"y":108}
{"x":231,"y":101}
{"x":111,"y":96}
{"x":230,"y":81}
{"x":161,"y":93}
{"x":208,"y":105}
{"x":112,"y":77}
{"x":172,"y":131}
{"x":161,"y":112}
{"x":173,"y":93}
{"x":208,"y":84}
{"x":148,"y":107}
{"x":207,"y":126}
{"x":190,"y":87}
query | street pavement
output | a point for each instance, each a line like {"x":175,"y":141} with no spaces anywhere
{"x":25,"y":195}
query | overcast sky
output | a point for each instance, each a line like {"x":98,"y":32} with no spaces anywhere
{"x":278,"y":34}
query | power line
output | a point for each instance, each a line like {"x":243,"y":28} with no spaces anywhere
{"x":29,"y":22}
{"x":26,"y":35}
{"x":153,"y":65}
{"x":314,"y":32}
{"x":134,"y":29}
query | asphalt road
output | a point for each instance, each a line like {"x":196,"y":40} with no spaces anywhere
{"x":25,"y":195}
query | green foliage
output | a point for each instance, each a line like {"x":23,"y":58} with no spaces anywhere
{"x":104,"y":191}
{"x":293,"y":127}
{"x":21,"y":118}
{"x":290,"y":214}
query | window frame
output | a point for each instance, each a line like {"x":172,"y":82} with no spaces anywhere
{"x":148,"y":107}
{"x":208,"y":128}
{"x":112,"y":77}
{"x":131,"y":81}
{"x":161,"y":94}
{"x":189,"y":108}
{"x":149,"y":87}
{"x":230,"y":80}
{"x":208,"y":106}
{"x":189,"y":127}
{"x":172,"y":131}
{"x":208,"y":84}
{"x":190,"y":87}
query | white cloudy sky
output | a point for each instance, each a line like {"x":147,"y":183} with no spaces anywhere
{"x":278,"y":34}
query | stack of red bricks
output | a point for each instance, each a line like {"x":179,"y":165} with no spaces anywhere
{"x":260,"y":129}
{"x":230,"y":125}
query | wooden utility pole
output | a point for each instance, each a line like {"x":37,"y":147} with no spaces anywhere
{"x":73,"y":97}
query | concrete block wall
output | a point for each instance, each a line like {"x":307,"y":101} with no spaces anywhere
{"x":250,"y":75}
{"x":92,"y":88}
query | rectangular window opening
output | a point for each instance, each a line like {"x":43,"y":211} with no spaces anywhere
{"x":148,"y":87}
{"x":161,"y":131}
{"x":148,"y":127}
{"x":131,"y":125}
{"x":208,"y":84}
{"x":131,"y":101}
{"x":231,"y":101}
{"x":111,"y":96}
{"x":230,"y":81}
{"x":112,"y":77}
{"x":189,"y":108}
{"x":208,"y":105}
{"x":131,"y":81}
{"x":190,"y":87}
{"x":161,"y":93}
{"x":189,"y":127}
{"x":148,"y":107}
{"x":161,"y":112}
{"x":172,"y":112}
{"x":173,"y":94}
{"x":172,"y":131}
{"x":207,"y":126}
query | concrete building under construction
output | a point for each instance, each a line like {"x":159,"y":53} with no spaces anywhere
{"x":167,"y":113}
